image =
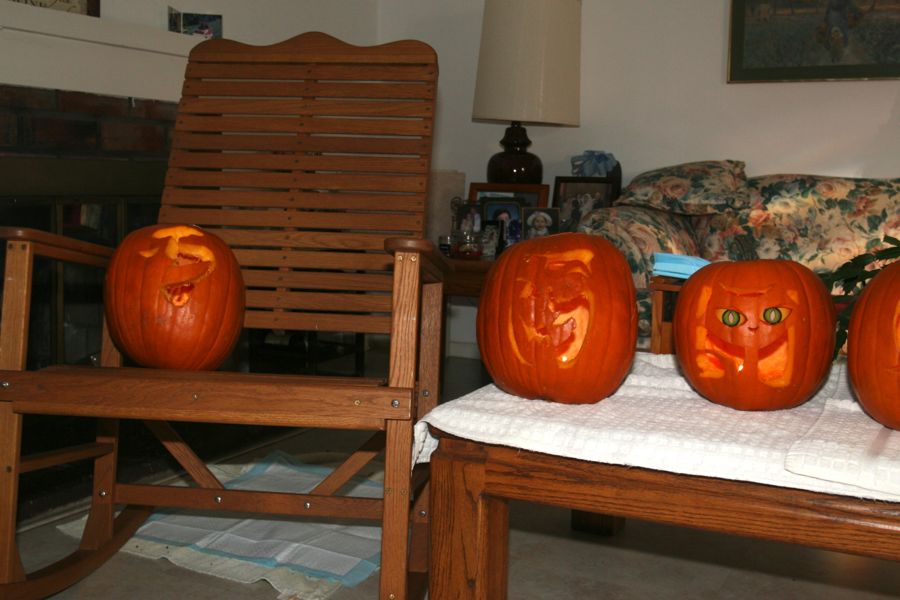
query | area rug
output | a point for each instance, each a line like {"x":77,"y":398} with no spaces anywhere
{"x":300,"y":559}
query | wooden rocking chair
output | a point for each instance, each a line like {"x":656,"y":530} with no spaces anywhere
{"x":310,"y":158}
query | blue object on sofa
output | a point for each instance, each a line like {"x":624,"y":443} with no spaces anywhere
{"x":677,"y":265}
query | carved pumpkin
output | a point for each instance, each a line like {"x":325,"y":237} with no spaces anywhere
{"x":557,"y":319}
{"x":755,"y":335}
{"x":873,"y":347}
{"x":174,"y":298}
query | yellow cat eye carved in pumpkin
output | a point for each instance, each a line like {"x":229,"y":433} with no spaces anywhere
{"x":730,"y":317}
{"x":775,"y":314}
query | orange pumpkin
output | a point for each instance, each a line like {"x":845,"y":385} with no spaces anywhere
{"x":174,"y":298}
{"x":873,"y":347}
{"x":557,"y":319}
{"x":755,"y":335}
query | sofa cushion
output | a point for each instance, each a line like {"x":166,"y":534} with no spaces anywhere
{"x":819,"y":221}
{"x":696,"y":188}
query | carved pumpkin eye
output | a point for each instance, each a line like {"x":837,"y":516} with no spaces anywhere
{"x":730,"y":317}
{"x":775,"y":314}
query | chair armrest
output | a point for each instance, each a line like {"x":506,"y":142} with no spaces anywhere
{"x":435,"y":265}
{"x":56,"y":246}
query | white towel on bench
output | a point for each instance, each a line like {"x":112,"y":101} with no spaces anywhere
{"x":846,"y":445}
{"x":656,"y":421}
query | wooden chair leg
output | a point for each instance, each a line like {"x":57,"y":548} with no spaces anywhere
{"x":10,"y":437}
{"x":98,"y":530}
{"x":395,"y":527}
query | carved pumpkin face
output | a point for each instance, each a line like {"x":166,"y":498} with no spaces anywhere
{"x":557,"y":319}
{"x":873,"y":347}
{"x":174,"y":298}
{"x":755,"y":335}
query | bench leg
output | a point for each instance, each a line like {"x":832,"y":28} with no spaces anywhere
{"x":469,"y":530}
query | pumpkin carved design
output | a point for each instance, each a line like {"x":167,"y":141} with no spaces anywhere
{"x":873,"y":347}
{"x":755,"y":335}
{"x":174,"y":298}
{"x":557,"y":319}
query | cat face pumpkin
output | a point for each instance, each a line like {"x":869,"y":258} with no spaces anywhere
{"x":755,"y":335}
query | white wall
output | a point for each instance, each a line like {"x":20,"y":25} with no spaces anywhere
{"x":653,"y":79}
{"x":654,"y":93}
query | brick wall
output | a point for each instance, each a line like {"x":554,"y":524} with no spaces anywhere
{"x":35,"y":121}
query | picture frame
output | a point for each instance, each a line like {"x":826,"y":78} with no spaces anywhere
{"x":807,"y":40}
{"x":207,"y":26}
{"x":540,"y":221}
{"x":90,"y":8}
{"x":574,"y":197}
{"x":490,"y":239}
{"x":527,"y":194}
{"x":467,"y":216}
{"x":509,"y":211}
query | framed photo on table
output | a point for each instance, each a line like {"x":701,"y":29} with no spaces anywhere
{"x":506,"y":214}
{"x":577,"y":196}
{"x":525,"y":194}
{"x":540,"y":221}
{"x":503,"y":203}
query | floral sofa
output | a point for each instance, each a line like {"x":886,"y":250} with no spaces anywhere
{"x":713,"y":210}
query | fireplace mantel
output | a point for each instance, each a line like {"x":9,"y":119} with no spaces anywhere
{"x":58,"y":50}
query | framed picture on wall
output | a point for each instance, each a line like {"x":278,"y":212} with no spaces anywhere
{"x":810,"y":40}
{"x":78,"y":7}
{"x":577,"y":196}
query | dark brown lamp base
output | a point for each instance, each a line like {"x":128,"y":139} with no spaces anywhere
{"x":515,"y":164}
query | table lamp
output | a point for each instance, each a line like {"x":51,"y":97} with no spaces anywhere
{"x":529,"y":71}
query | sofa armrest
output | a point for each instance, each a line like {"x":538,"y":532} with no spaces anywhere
{"x":639,"y":232}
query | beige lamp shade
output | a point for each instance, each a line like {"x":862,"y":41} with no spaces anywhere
{"x":529,"y":63}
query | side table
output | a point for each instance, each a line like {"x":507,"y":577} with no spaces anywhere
{"x":467,"y":277}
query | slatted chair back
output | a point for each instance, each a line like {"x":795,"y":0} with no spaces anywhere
{"x":304,"y":157}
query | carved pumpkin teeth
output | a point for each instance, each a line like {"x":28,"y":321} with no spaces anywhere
{"x":178,"y":293}
{"x":182,"y":259}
